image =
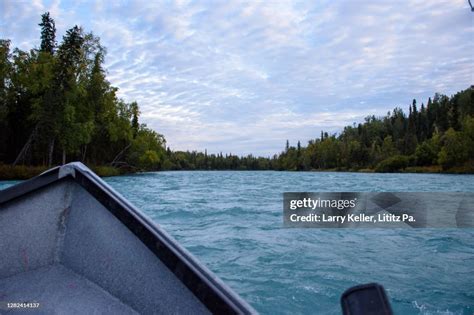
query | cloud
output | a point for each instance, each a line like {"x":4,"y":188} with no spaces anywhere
{"x":244,"y":76}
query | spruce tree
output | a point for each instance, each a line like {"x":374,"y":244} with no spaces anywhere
{"x":48,"y":34}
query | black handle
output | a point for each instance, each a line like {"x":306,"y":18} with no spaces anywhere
{"x":365,"y":299}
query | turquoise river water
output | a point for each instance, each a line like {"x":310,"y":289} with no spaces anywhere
{"x":232,"y":222}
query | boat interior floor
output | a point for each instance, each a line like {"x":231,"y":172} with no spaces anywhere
{"x":61,"y":291}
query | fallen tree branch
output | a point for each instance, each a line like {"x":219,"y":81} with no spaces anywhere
{"x":119,"y":155}
{"x":26,"y":147}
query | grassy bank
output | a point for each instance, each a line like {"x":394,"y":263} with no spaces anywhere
{"x":467,"y":168}
{"x":434,"y":169}
{"x":18,"y":172}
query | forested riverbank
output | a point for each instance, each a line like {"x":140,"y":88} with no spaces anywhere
{"x":436,"y":137}
{"x":57,"y":106}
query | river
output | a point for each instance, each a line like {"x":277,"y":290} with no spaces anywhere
{"x":232,"y":222}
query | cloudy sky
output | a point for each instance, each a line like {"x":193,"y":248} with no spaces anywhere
{"x":244,"y":76}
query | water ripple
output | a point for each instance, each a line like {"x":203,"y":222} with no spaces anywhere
{"x":232,"y":222}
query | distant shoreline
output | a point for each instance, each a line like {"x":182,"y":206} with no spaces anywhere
{"x":22,"y":172}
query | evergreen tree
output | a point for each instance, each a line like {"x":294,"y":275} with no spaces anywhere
{"x":135,"y":114}
{"x":48,"y":34}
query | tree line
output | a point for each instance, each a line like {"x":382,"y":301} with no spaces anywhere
{"x":56,"y":106}
{"x":440,"y":133}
